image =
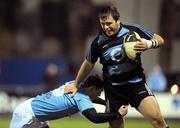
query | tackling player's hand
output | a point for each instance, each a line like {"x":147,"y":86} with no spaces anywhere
{"x":72,"y":88}
{"x":123,"y":110}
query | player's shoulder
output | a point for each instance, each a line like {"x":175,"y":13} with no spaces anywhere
{"x":130,"y":25}
{"x":139,"y":29}
{"x":66,"y":84}
{"x":81,"y":96}
{"x":69,"y":82}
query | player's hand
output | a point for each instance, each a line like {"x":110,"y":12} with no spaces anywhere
{"x":123,"y":110}
{"x":141,"y":45}
{"x":72,"y":88}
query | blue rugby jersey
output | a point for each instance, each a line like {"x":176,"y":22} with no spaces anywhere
{"x":118,"y":69}
{"x":55,"y":104}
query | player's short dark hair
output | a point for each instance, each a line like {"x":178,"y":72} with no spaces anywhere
{"x":107,"y":10}
{"x":93,"y":80}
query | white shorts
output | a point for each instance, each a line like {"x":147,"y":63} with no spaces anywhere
{"x":22,"y":114}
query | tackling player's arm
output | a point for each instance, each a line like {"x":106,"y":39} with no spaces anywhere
{"x":95,"y":117}
{"x":84,"y":70}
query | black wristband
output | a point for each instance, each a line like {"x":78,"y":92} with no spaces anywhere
{"x":155,"y":43}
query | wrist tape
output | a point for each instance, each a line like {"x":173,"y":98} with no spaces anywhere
{"x":152,"y":43}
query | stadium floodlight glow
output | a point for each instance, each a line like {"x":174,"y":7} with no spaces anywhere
{"x":174,"y":89}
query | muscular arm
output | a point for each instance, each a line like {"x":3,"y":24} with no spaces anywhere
{"x":95,"y":117}
{"x":84,"y":70}
{"x":144,"y":44}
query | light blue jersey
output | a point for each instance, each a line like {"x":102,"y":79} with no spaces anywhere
{"x":55,"y":104}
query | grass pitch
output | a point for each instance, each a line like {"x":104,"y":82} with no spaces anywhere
{"x":80,"y":122}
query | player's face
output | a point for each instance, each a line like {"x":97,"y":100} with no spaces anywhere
{"x":95,"y":92}
{"x":109,"y":25}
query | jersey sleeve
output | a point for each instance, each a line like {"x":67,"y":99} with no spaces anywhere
{"x":93,"y":52}
{"x":83,"y":102}
{"x":95,"y":117}
{"x":143,"y":32}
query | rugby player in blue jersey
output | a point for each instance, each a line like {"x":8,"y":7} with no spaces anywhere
{"x":124,"y":78}
{"x":35,"y":112}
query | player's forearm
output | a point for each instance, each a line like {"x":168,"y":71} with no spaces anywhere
{"x":155,"y":42}
{"x":95,"y":117}
{"x":84,"y":70}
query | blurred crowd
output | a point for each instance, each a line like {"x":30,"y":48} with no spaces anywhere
{"x":55,"y":28}
{"x":62,"y":28}
{"x":45,"y":28}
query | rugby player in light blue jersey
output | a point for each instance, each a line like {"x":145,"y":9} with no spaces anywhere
{"x":37,"y":111}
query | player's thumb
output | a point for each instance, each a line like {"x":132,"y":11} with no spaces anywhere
{"x":66,"y":90}
{"x":74,"y":92}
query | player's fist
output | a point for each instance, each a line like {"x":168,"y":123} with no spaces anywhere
{"x":123,"y":110}
{"x":141,"y":45}
{"x":71,"y":88}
